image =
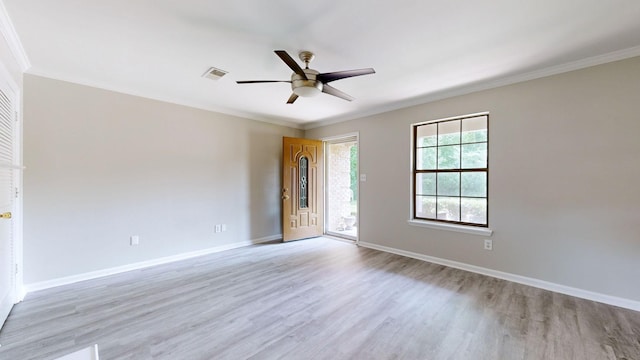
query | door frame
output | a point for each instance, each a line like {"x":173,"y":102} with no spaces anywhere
{"x":336,"y":139}
{"x":18,"y":177}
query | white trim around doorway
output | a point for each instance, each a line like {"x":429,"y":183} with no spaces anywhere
{"x":337,"y":139}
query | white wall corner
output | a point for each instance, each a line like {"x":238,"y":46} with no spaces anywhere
{"x":541,"y":284}
{"x":9,"y":33}
{"x":21,"y":293}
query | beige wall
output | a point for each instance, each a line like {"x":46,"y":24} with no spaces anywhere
{"x":564,"y":168}
{"x":102,"y":166}
{"x":563,"y":187}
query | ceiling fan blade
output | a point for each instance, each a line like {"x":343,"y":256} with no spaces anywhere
{"x":291,"y":63}
{"x":335,"y":92}
{"x":261,"y":81}
{"x":333,"y":76}
{"x":292,"y":98}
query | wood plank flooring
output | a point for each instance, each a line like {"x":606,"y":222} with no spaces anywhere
{"x":314,"y":299}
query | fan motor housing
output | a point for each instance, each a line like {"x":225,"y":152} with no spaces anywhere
{"x":302,"y":87}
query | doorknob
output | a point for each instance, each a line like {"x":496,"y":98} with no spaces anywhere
{"x":6,"y":215}
{"x":285,"y":197}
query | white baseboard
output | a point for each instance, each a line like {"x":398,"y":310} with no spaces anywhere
{"x":22,"y":292}
{"x":562,"y":289}
{"x":140,"y":265}
{"x":6,"y":304}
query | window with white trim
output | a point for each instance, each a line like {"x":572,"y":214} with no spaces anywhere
{"x":451,"y":170}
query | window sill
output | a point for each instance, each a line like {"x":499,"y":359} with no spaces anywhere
{"x":452,"y":227}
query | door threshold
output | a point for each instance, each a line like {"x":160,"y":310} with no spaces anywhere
{"x":340,"y":238}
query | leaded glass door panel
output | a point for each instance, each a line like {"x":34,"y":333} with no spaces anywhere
{"x":302,"y":188}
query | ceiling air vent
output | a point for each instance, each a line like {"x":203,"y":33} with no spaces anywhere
{"x":214,"y":74}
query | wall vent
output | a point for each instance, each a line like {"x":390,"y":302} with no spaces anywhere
{"x":214,"y":73}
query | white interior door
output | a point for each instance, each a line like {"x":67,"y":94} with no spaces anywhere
{"x":9,"y":172}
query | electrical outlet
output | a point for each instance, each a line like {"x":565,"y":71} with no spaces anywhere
{"x":218,"y":228}
{"x":488,"y":244}
{"x":134,"y":240}
{"x":224,"y":227}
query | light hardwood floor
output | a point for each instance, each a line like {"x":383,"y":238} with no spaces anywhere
{"x":314,"y":299}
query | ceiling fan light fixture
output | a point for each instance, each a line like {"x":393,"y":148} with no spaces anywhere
{"x":308,"y":90}
{"x":309,"y":82}
{"x":306,"y":87}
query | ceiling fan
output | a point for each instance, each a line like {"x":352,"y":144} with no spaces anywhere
{"x":309,"y":82}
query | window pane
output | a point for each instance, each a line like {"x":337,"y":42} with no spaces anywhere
{"x":426,"y":184}
{"x":451,"y":170}
{"x":426,"y":207}
{"x":426,"y":158}
{"x":449,"y":184}
{"x":427,"y":135}
{"x":303,"y":170}
{"x":449,"y":157}
{"x":474,"y":129}
{"x":449,"y":132}
{"x":474,"y":156}
{"x":474,"y":210}
{"x":449,"y":208}
{"x":474,"y":184}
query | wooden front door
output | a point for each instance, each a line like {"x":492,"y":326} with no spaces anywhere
{"x":302,"y":189}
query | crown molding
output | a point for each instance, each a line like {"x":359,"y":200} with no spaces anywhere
{"x":8,"y":31}
{"x":164,"y":99}
{"x":486,"y":85}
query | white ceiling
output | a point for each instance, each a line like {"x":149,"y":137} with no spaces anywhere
{"x":421,"y":50}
